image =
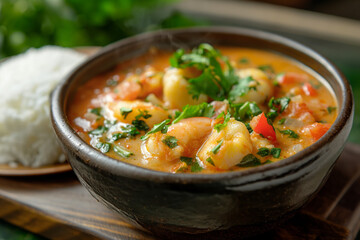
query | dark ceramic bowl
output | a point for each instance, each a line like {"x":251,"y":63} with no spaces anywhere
{"x":227,"y":204}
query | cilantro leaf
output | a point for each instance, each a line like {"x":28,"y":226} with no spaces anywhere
{"x":275,"y":152}
{"x":216,"y":149}
{"x":96,"y":111}
{"x":140,"y":125}
{"x":263,"y":152}
{"x":157,"y":128}
{"x":243,"y":86}
{"x":170,"y":141}
{"x":122,"y":152}
{"x":194,"y":165}
{"x":289,"y":132}
{"x":330,"y":109}
{"x":201,"y":110}
{"x":221,"y":126}
{"x":249,"y":161}
{"x":125,"y":111}
{"x":244,"y":111}
{"x":99,"y":130}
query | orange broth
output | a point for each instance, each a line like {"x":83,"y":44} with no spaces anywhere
{"x":310,"y":111}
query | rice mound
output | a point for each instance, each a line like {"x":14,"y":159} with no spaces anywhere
{"x":26,"y":81}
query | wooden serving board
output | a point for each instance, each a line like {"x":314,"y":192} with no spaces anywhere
{"x":58,"y":207}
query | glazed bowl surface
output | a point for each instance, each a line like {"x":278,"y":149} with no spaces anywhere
{"x":232,"y":204}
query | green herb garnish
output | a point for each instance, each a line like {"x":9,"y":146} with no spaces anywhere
{"x":216,"y":149}
{"x":281,"y":121}
{"x":209,"y":160}
{"x":243,"y":60}
{"x":289,"y":132}
{"x":263,"y":151}
{"x":130,"y":130}
{"x":249,"y":127}
{"x":243,"y":86}
{"x":330,"y":109}
{"x":194,"y":165}
{"x":170,"y":141}
{"x":122,"y":152}
{"x":249,"y":161}
{"x":221,"y":126}
{"x":157,"y":128}
{"x":143,"y":114}
{"x":99,"y":130}
{"x":140,"y":125}
{"x":96,"y":111}
{"x":213,"y":81}
{"x":201,"y":110}
{"x":244,"y":111}
{"x":275,"y":152}
{"x":125,"y":111}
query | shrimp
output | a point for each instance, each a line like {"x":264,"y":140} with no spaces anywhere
{"x":226,"y":148}
{"x":175,"y":89}
{"x":190,"y":134}
{"x":139,"y":86}
{"x":264,"y":88}
{"x":127,"y":111}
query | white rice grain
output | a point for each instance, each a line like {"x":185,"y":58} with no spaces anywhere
{"x":26,"y":80}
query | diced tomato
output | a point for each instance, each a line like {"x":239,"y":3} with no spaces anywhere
{"x":128,"y":90}
{"x":317,"y":130}
{"x":263,"y":127}
{"x":309,"y":90}
{"x":291,"y":77}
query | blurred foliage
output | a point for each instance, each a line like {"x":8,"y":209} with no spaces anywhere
{"x":68,"y":23}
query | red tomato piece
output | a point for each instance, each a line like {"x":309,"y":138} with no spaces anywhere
{"x":309,"y":90}
{"x":317,"y":130}
{"x":264,"y":128}
{"x":291,"y":77}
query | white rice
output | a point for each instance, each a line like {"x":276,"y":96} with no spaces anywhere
{"x":26,"y":80}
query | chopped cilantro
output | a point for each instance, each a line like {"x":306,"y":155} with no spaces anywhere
{"x":96,"y":111}
{"x":99,"y":130}
{"x":266,"y":68}
{"x":289,"y":132}
{"x":117,"y":136}
{"x":140,"y":125}
{"x":122,"y":152}
{"x":267,"y":162}
{"x":244,"y":111}
{"x":263,"y":151}
{"x":275,"y":152}
{"x":249,"y":127}
{"x":125,"y":111}
{"x":143,"y":114}
{"x":103,"y":147}
{"x":281,"y":121}
{"x":195,"y":167}
{"x":209,"y":160}
{"x":277,"y":105}
{"x":130,"y":130}
{"x":186,"y":160}
{"x":170,"y":141}
{"x":213,"y":81}
{"x":243,"y":86}
{"x":216,"y":149}
{"x":201,"y":110}
{"x":108,"y":123}
{"x":330,"y":109}
{"x":249,"y":161}
{"x":157,"y":127}
{"x":221,"y":126}
{"x":243,"y":60}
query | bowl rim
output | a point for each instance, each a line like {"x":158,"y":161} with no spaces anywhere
{"x":118,"y":167}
